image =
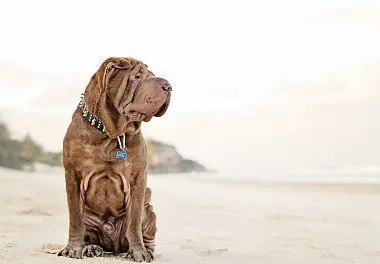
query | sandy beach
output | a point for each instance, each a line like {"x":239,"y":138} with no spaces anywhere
{"x":203,"y":220}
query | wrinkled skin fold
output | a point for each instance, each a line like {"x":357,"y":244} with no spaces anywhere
{"x":108,"y":200}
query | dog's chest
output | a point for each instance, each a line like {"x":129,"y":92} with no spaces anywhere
{"x":105,"y":192}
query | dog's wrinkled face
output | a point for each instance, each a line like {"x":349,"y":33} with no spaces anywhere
{"x":151,"y":98}
{"x":129,"y":94}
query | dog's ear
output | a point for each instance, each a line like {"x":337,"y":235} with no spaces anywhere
{"x":108,"y":69}
{"x":108,"y":78}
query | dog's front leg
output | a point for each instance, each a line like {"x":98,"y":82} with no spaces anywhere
{"x":137,"y":251}
{"x":76,"y":222}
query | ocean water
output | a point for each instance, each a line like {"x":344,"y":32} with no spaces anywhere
{"x":347,"y":174}
{"x":343,"y":174}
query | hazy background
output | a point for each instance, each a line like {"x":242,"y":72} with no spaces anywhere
{"x":260,"y":87}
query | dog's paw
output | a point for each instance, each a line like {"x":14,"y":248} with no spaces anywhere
{"x":138,"y":255}
{"x":71,"y":252}
{"x":92,"y":251}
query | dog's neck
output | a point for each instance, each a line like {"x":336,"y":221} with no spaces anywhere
{"x":94,"y":121}
{"x":107,"y":120}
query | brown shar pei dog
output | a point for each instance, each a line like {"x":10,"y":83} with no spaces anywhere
{"x":105,"y":160}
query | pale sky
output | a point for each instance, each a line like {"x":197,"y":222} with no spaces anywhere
{"x":257,"y":84}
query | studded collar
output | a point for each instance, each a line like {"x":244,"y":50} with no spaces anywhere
{"x":93,"y":120}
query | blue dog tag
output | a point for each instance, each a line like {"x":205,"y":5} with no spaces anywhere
{"x":121,"y":155}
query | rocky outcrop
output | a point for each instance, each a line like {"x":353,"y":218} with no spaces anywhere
{"x":27,"y":154}
{"x":164,"y":158}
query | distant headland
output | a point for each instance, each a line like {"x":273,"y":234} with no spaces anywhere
{"x":26,"y":153}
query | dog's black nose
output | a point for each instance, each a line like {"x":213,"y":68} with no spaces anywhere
{"x":167,"y":87}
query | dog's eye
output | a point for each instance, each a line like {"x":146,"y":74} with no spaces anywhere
{"x":138,"y":75}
